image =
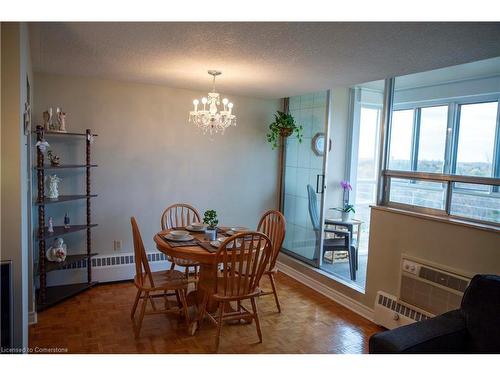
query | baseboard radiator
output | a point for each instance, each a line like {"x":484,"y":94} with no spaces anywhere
{"x":105,"y":268}
{"x":425,"y":290}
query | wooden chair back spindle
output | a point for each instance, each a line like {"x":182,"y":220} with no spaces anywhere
{"x":244,"y":258}
{"x":273,"y":224}
{"x":142,"y":268}
{"x":179,"y":215}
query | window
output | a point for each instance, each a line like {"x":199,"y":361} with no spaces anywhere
{"x":401,"y":140}
{"x":443,"y":152}
{"x":476,"y":139}
{"x":433,"y":125}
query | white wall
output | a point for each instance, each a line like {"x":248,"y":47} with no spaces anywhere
{"x":149,"y":157}
{"x":16,"y":67}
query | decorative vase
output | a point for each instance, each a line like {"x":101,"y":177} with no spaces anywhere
{"x":211,"y":234}
{"x":346,"y":216}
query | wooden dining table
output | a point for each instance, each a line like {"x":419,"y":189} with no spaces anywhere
{"x":207,"y":276}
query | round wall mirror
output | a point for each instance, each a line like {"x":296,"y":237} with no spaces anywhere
{"x":318,"y":144}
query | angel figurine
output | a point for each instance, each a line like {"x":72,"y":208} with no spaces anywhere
{"x":47,"y":119}
{"x":57,"y":252}
{"x":61,"y":120}
{"x":53,"y":187}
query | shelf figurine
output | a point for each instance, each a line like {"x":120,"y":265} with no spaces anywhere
{"x":53,"y":187}
{"x":57,"y":252}
{"x":47,"y":119}
{"x":55,"y":161}
{"x":66,"y":221}
{"x":61,"y":121}
{"x":50,"y":229}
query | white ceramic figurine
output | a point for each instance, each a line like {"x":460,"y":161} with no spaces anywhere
{"x":53,"y":192}
{"x":57,"y":252}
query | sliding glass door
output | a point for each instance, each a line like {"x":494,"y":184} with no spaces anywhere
{"x":304,"y":178}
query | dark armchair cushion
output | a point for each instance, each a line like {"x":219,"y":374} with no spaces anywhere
{"x":443,"y":334}
{"x":481,"y":311}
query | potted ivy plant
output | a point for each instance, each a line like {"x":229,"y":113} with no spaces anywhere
{"x":283,"y":126}
{"x":210,"y":218}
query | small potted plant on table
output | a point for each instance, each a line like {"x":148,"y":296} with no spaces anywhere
{"x":347,"y":208}
{"x":210,"y":218}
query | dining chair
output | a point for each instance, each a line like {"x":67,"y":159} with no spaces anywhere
{"x":273,"y":224}
{"x":244,"y":257}
{"x":342,"y":240}
{"x":151,"y":285}
{"x":180,"y":215}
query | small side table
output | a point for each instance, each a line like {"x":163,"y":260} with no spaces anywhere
{"x":349,"y":225}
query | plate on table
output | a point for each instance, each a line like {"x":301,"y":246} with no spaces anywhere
{"x":236,"y":230}
{"x":219,"y":242}
{"x":191,"y":229}
{"x":181,"y":239}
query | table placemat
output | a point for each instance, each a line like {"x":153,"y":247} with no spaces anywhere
{"x":207,"y":247}
{"x":193,"y":242}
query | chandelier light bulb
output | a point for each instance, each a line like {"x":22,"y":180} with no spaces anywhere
{"x":213,"y":119}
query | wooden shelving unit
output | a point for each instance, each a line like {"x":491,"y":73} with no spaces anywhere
{"x":48,"y":296}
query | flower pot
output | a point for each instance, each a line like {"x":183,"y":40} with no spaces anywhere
{"x":286,"y":132}
{"x":346,"y":216}
{"x":211,"y":234}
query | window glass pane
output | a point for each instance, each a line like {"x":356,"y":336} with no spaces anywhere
{"x":418,"y":193}
{"x":476,"y":139}
{"x":401,"y":140}
{"x":478,"y":204}
{"x":367,"y":150}
{"x":432,"y":139}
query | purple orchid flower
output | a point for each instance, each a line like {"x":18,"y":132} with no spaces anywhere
{"x":345,"y":185}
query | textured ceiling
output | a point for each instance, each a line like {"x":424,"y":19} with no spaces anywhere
{"x":257,"y":59}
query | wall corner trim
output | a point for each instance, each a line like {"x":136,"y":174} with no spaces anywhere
{"x":328,"y":292}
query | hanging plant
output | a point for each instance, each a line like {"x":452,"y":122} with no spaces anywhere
{"x":283,"y":126}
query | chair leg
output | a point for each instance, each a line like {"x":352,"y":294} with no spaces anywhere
{"x":153,"y":304}
{"x":177,"y":297}
{"x":182,"y":294}
{"x":200,"y":315}
{"x":219,"y":325}
{"x":275,"y":292}
{"x":134,"y":307}
{"x":256,"y":318}
{"x":141,"y":316}
{"x":352,"y":263}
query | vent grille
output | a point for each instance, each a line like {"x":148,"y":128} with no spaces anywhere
{"x":444,"y":279}
{"x":114,"y":260}
{"x":400,"y":308}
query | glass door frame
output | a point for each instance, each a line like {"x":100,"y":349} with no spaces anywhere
{"x":317,"y":263}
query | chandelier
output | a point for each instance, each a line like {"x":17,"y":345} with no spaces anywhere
{"x":210,"y":118}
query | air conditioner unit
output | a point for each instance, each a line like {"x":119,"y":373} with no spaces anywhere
{"x":425,"y":290}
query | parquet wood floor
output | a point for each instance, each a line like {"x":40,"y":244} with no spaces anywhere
{"x":98,"y":321}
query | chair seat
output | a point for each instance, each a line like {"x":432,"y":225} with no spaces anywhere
{"x":335,"y":244}
{"x":221,"y":297}
{"x":170,"y":279}
{"x":185,"y":262}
